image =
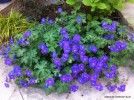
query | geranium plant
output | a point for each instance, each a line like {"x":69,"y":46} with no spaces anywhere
{"x":56,"y":55}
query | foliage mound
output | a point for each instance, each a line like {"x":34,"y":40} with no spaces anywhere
{"x":57,"y":54}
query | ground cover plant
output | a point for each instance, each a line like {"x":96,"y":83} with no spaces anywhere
{"x":14,"y":23}
{"x":59,"y":53}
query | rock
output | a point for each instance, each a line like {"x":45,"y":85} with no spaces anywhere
{"x":127,"y":15}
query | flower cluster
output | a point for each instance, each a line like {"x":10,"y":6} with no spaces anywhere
{"x":118,"y":46}
{"x":111,"y":27}
{"x":66,"y":78}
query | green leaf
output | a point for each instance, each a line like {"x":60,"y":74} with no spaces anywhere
{"x":71,"y":2}
{"x":77,"y":5}
{"x":87,"y":2}
{"x":102,"y":6}
{"x":131,"y":1}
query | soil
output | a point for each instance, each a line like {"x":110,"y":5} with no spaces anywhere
{"x":39,"y":11}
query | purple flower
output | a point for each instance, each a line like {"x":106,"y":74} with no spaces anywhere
{"x":67,"y":49}
{"x":81,"y":81}
{"x":54,"y":54}
{"x":93,"y":83}
{"x":122,"y":87}
{"x":109,"y":37}
{"x":81,"y":67}
{"x":63,"y":31}
{"x":43,"y":48}
{"x":92,"y":62}
{"x":27,"y":34}
{"x":113,"y":68}
{"x":49,"y":82}
{"x":11,"y":75}
{"x":50,"y":21}
{"x":23,"y":83}
{"x":76,"y":56}
{"x":59,"y":10}
{"x":75,"y":48}
{"x":11,"y":41}
{"x":32,"y":81}
{"x":28,"y":73}
{"x":93,"y":48}
{"x":8,"y":61}
{"x":75,"y":69}
{"x":74,"y":87}
{"x":132,"y":37}
{"x":104,"y":58}
{"x":105,"y":23}
{"x":114,"y":23}
{"x":118,"y":46}
{"x":76,"y":38}
{"x":94,"y":76}
{"x":79,"y":19}
{"x":85,"y":76}
{"x":99,"y":87}
{"x":111,"y":88}
{"x":6,"y":85}
{"x":43,"y":21}
{"x":66,"y":78}
{"x":84,"y":59}
{"x":65,"y":57}
{"x":65,"y":36}
{"x":110,"y":75}
{"x":57,"y":62}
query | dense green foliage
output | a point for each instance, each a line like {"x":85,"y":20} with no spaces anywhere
{"x":14,"y":23}
{"x":29,"y":57}
{"x":100,"y":6}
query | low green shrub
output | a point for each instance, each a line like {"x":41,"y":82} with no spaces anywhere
{"x":100,"y":6}
{"x":57,"y":54}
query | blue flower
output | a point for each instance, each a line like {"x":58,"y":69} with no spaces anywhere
{"x":76,"y":38}
{"x":122,"y":87}
{"x":32,"y":81}
{"x":79,"y":19}
{"x":65,"y":57}
{"x":43,"y":21}
{"x":75,"y":48}
{"x":84,"y":59}
{"x":99,"y":87}
{"x":58,"y":63}
{"x":27,"y":34}
{"x":8,"y":61}
{"x":63,"y":31}
{"x":50,"y":21}
{"x":49,"y":82}
{"x":74,"y":87}
{"x":81,"y":67}
{"x":11,"y":75}
{"x":28,"y":73}
{"x":109,"y":37}
{"x":59,"y":10}
{"x":93,"y":48}
{"x":75,"y":69}
{"x":6,"y":85}
{"x":111,"y":88}
{"x":23,"y":83}
{"x":11,"y":40}
{"x":54,"y":54}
